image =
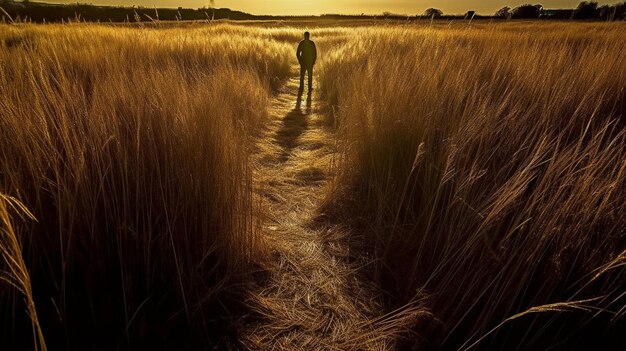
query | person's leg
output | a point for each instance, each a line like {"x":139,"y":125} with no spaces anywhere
{"x":302,"y":71}
{"x":311,"y":78}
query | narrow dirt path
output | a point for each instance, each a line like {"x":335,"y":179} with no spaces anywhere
{"x":311,"y":296}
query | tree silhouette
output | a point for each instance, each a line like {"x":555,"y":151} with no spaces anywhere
{"x":432,"y":12}
{"x":586,"y":10}
{"x":612,"y":12}
{"x":526,"y":11}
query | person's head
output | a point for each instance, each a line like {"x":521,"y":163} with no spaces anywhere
{"x":307,"y":35}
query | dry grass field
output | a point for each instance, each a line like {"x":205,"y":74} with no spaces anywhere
{"x":485,"y":167}
{"x":448,"y":185}
{"x":130,"y":148}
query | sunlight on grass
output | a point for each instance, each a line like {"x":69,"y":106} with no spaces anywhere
{"x":480,"y":168}
{"x":485,"y":166}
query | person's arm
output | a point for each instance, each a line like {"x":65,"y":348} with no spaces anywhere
{"x":314,"y":53}
{"x":299,"y":52}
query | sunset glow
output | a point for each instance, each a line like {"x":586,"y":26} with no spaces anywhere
{"x":317,"y":7}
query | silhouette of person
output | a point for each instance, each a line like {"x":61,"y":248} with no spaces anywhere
{"x":307,"y":55}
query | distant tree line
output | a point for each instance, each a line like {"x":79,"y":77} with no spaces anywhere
{"x":585,"y":10}
{"x":43,"y":12}
{"x":29,"y":11}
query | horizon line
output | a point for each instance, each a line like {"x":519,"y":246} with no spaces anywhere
{"x":384,"y":13}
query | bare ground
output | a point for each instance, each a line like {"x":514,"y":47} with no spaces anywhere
{"x":311,"y":296}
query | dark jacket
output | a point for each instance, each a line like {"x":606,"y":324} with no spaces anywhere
{"x":306,"y":53}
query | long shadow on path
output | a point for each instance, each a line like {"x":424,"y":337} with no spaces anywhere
{"x":294,"y":125}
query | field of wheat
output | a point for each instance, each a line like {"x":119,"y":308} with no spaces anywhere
{"x":470,"y":177}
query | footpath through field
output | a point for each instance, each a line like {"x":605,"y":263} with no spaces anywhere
{"x":311,"y":296}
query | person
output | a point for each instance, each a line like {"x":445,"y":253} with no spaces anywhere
{"x":307,"y":55}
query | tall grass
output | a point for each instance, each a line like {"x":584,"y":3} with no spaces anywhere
{"x":486,"y":165}
{"x":14,"y":270}
{"x":130,"y":147}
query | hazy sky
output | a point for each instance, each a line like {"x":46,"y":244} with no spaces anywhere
{"x":304,"y":7}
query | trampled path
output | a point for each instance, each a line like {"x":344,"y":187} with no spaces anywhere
{"x":311,"y":296}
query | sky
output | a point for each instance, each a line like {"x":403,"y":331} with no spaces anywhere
{"x":316,"y":7}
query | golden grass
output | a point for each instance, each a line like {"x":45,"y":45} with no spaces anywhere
{"x":130,"y":146}
{"x":486,"y":165}
{"x":15,"y":271}
{"x":312,"y":294}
